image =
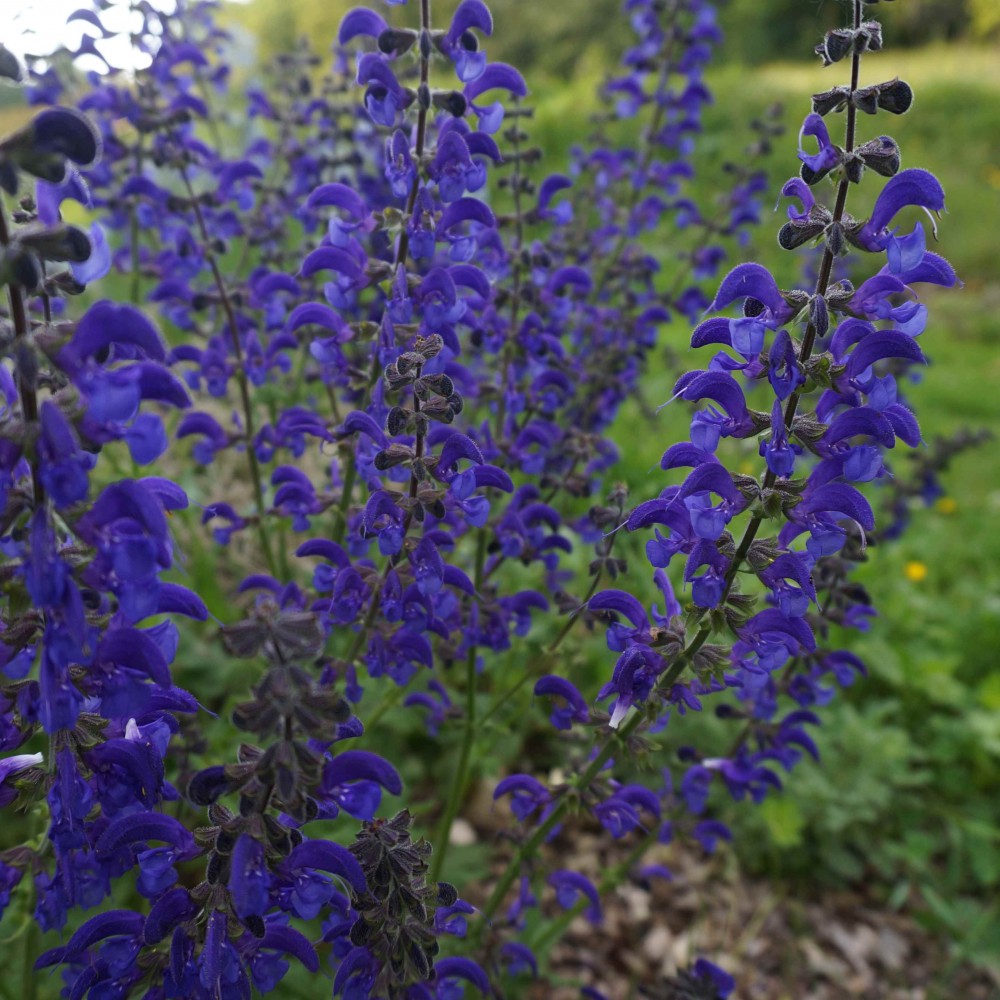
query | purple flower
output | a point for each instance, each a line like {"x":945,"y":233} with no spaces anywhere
{"x":828,"y":157}
{"x":574,"y":707}
{"x":909,"y":187}
{"x":570,"y":887}
{"x":10,"y":766}
{"x":527,"y":794}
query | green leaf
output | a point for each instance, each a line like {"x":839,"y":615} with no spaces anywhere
{"x":784,"y":820}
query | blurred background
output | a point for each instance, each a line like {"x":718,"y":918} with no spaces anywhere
{"x":904,"y":808}
{"x":552,"y":38}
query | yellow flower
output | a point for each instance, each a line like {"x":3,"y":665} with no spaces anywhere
{"x":915,"y":571}
{"x":945,"y":505}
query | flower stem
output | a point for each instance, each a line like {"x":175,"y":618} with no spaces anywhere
{"x":26,"y":391}
{"x":241,"y":377}
{"x":507,"y":354}
{"x":442,"y":838}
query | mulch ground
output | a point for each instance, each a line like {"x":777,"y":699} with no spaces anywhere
{"x":781,"y":943}
{"x":835,"y":946}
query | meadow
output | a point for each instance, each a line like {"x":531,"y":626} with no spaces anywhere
{"x":900,"y":817}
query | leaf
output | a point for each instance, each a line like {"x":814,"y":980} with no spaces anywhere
{"x":784,"y":820}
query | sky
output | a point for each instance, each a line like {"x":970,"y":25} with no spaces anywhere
{"x":39,"y":26}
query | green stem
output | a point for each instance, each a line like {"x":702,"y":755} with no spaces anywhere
{"x":390,"y":701}
{"x":136,"y":277}
{"x":442,"y":837}
{"x":241,"y":378}
{"x":29,"y":978}
{"x":346,"y":491}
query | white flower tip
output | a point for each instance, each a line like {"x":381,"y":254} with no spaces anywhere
{"x":621,"y":710}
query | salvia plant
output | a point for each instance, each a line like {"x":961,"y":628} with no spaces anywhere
{"x":345,"y":343}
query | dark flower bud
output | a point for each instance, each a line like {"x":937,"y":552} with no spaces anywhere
{"x":421,"y":425}
{"x":896,"y":97}
{"x":418,"y":469}
{"x":881,"y":154}
{"x":796,"y":233}
{"x":866,"y":99}
{"x":395,"y":422}
{"x":854,"y":167}
{"x":10,"y":67}
{"x":836,"y":241}
{"x":819,"y":316}
{"x":42,"y":147}
{"x":835,"y":45}
{"x":225,"y":841}
{"x":396,"y":41}
{"x":452,"y":101}
{"x":394,"y":378}
{"x":447,"y":894}
{"x":361,"y":932}
{"x":424,"y":96}
{"x":18,"y":266}
{"x":208,"y":785}
{"x":213,"y":871}
{"x":869,"y":37}
{"x":59,"y":242}
{"x":830,"y":100}
{"x":439,"y":383}
{"x":426,"y":44}
{"x":66,"y":132}
{"x":429,"y":347}
{"x":407,"y":361}
{"x":843,"y":41}
{"x":245,"y":638}
{"x":395,"y":454}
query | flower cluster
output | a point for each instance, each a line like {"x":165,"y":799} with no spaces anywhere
{"x":399,"y":356}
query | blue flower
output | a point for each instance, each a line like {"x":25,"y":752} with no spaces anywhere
{"x":570,"y":886}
